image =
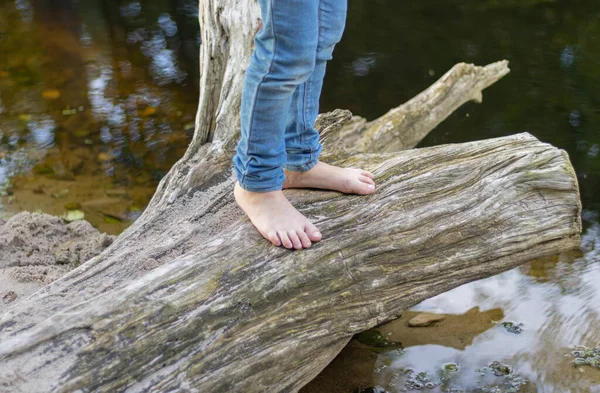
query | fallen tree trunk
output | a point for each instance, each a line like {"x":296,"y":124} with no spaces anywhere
{"x":191,"y":298}
{"x":224,"y":320}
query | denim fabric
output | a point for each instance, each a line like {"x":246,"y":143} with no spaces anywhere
{"x":280,"y":100}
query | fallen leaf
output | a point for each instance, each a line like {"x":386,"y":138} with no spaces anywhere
{"x":150,"y":110}
{"x":51,"y":94}
{"x":73,"y":215}
{"x":105,"y":156}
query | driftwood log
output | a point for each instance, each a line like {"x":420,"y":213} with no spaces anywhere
{"x":190,"y":298}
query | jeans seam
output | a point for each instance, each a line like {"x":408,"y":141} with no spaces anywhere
{"x":307,"y":84}
{"x":262,"y":79}
{"x":320,"y":30}
{"x":304,"y":110}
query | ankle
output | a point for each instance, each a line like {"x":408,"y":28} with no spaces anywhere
{"x":240,"y":192}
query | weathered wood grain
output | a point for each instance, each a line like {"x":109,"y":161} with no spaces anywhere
{"x":236,"y":314}
{"x":190,"y":298}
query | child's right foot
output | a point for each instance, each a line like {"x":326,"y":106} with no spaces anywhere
{"x":276,"y":219}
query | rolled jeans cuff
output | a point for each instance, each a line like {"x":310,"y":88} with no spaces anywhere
{"x":254,"y":184}
{"x":302,"y":161}
{"x":301,"y":167}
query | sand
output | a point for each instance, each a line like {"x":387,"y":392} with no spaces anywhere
{"x":37,"y":248}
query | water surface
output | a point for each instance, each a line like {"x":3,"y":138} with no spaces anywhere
{"x":97,"y":101}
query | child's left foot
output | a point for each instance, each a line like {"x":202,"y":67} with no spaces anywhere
{"x":329,"y":177}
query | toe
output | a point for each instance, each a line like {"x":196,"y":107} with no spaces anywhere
{"x":304,"y":239}
{"x":313,"y":233}
{"x":295,"y":240}
{"x":363,"y":188}
{"x":367,"y":174}
{"x":285,"y":240}
{"x":366,"y":180}
{"x":273,"y":238}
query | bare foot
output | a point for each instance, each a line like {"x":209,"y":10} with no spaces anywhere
{"x":276,"y":219}
{"x":329,"y":177}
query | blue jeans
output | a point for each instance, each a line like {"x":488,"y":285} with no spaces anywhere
{"x":284,"y":79}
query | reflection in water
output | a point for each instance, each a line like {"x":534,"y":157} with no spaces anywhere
{"x":26,"y":11}
{"x":556,"y":299}
{"x":42,"y":131}
{"x":95,"y":97}
{"x":558,"y":312}
{"x":392,"y":50}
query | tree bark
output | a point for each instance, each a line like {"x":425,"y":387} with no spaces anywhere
{"x":191,"y":298}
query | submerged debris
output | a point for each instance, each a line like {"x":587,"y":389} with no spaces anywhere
{"x":378,"y":342}
{"x":494,"y":378}
{"x":510,"y":382}
{"x":512,"y":327}
{"x":448,"y":371}
{"x":499,"y":369}
{"x":417,"y":381}
{"x":586,"y":356}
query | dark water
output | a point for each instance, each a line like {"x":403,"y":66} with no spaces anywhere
{"x":97,"y":100}
{"x":394,"y":49}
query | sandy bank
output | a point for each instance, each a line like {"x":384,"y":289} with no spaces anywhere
{"x":36,"y":249}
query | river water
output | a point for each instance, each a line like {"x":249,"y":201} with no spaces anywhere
{"x":97,"y":101}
